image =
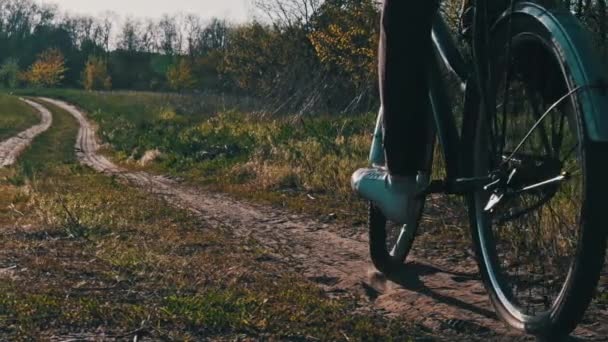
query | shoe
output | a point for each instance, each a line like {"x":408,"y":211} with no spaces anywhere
{"x":392,"y":195}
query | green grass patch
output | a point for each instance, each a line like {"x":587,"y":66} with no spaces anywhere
{"x":53,"y":147}
{"x":30,"y":310}
{"x":15,"y":116}
{"x":303,"y":163}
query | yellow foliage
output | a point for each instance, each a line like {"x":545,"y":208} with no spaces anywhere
{"x":348,"y":38}
{"x":48,"y":71}
{"x":167,"y":114}
{"x":95,"y":75}
{"x":180,"y":76}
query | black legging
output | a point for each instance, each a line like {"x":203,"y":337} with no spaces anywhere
{"x":404,"y":55}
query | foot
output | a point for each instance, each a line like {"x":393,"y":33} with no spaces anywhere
{"x":392,"y":195}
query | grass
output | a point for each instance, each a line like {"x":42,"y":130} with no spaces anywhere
{"x":15,"y":116}
{"x":56,"y":147}
{"x":83,"y":255}
{"x":303,"y":163}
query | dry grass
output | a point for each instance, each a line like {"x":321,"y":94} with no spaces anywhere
{"x":303,"y":163}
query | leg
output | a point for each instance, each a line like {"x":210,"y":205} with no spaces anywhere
{"x":404,"y":54}
{"x":405,"y":49}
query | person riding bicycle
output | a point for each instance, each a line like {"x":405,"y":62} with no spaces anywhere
{"x":404,"y":54}
{"x":531,"y":160}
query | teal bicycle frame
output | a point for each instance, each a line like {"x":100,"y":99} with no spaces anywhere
{"x":587,"y":73}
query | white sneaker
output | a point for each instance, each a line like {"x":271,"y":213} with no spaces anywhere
{"x":391,"y":194}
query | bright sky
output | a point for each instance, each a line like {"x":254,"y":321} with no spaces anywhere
{"x":234,"y":10}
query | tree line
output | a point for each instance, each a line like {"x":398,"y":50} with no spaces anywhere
{"x":300,"y":55}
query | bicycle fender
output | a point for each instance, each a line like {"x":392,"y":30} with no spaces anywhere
{"x":574,"y":44}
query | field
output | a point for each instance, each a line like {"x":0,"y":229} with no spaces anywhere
{"x":79,"y":258}
{"x":300,"y":162}
{"x":184,"y":174}
{"x":123,"y":254}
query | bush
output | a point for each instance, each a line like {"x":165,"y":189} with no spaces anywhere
{"x":48,"y":71}
{"x":9,"y":73}
{"x":180,"y":76}
{"x":95,"y":75}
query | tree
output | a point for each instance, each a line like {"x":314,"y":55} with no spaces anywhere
{"x":48,"y":71}
{"x":193,"y":28}
{"x":9,"y":73}
{"x":130,"y":39}
{"x":105,"y":30}
{"x":214,"y":36}
{"x":346,"y":39}
{"x":252,"y":59}
{"x":171,"y":38}
{"x":180,"y":76}
{"x":289,"y":13}
{"x":149,"y":38}
{"x":95,"y":75}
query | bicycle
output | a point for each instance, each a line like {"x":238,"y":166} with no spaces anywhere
{"x":531,"y":160}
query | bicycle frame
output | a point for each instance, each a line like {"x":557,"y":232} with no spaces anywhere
{"x":446,"y":129}
{"x":443,"y":116}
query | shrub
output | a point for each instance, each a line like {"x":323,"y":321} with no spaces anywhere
{"x":95,"y":75}
{"x":48,"y":71}
{"x":180,"y":76}
{"x":9,"y":73}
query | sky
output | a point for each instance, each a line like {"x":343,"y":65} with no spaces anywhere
{"x":234,"y":10}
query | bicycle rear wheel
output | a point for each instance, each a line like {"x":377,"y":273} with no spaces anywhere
{"x":538,"y":230}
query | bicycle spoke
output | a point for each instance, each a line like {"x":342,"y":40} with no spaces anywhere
{"x":505,"y":101}
{"x":569,"y":154}
{"x":492,"y":132}
{"x":540,"y":120}
{"x":558,"y":136}
{"x":542,"y":131}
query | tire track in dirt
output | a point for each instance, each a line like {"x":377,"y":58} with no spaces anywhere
{"x":436,"y":293}
{"x":11,"y":148}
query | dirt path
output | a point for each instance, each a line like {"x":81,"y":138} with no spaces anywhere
{"x":11,"y":149}
{"x":440,"y":291}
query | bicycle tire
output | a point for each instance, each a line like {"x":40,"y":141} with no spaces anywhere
{"x":568,"y":306}
{"x":381,"y":254}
